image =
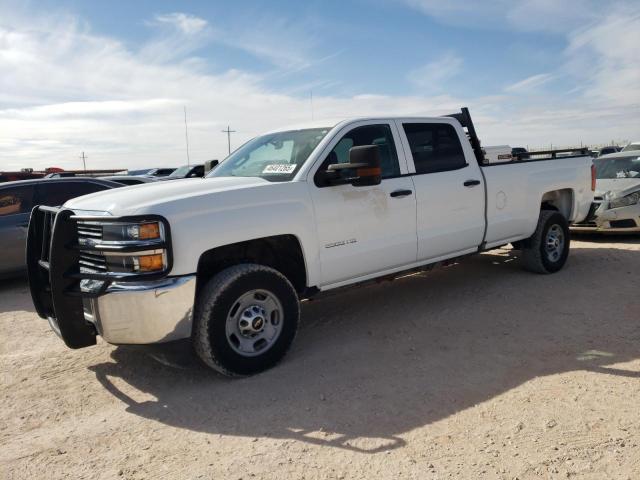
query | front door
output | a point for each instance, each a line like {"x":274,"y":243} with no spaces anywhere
{"x":364,"y":230}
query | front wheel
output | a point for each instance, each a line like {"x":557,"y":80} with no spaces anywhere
{"x":245,"y":320}
{"x":546,"y":251}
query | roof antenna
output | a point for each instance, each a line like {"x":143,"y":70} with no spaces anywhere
{"x":186,"y":133}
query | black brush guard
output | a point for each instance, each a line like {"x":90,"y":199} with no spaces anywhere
{"x":53,"y":254}
{"x":53,"y":270}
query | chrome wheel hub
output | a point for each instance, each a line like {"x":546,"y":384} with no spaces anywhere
{"x":254,"y":322}
{"x":554,"y":243}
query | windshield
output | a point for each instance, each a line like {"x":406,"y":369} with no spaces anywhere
{"x":631,"y":146}
{"x":181,"y":172}
{"x":618,"y":167}
{"x":276,"y":157}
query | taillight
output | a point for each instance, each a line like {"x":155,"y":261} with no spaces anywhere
{"x":593,"y":177}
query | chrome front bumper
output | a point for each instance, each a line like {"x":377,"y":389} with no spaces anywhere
{"x":144,"y":312}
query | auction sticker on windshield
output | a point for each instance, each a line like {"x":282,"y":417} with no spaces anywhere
{"x":284,"y":169}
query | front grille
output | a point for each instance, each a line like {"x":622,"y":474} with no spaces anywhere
{"x":87,"y":231}
{"x":90,"y":261}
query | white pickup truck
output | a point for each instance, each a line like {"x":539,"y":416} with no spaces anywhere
{"x":225,"y":260}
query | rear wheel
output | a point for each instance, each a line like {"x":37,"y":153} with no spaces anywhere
{"x":245,"y":320}
{"x":546,"y":251}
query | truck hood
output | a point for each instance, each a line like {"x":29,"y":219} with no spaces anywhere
{"x":619,"y":187}
{"x":133,"y":199}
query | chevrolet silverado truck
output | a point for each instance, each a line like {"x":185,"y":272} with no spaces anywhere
{"x":225,"y":260}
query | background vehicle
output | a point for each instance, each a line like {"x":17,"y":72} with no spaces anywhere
{"x":16,"y":201}
{"x":130,"y":179}
{"x":159,"y":172}
{"x":143,"y":171}
{"x":224,"y":260}
{"x":616,"y":207}
{"x":633,"y":146}
{"x":61,"y":175}
{"x":498,"y":153}
{"x":515,"y":151}
{"x":609,"y":149}
{"x":186,"y":171}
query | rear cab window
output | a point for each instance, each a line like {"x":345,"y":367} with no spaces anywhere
{"x":435,"y":147}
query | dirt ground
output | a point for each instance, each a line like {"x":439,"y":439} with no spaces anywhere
{"x":477,"y":370}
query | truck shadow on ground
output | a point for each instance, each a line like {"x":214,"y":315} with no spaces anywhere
{"x":373,"y":363}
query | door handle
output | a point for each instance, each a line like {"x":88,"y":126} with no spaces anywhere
{"x":400,"y":193}
{"x":471,"y":183}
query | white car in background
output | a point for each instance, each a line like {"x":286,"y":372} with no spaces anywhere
{"x":616,"y":205}
{"x":631,"y":147}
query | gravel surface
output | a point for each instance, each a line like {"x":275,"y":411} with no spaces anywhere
{"x":475,"y":370}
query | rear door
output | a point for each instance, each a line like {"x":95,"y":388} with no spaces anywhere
{"x":449,"y":190}
{"x":15,"y":207}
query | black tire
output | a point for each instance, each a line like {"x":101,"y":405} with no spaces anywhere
{"x":534,"y":253}
{"x":214,"y":304}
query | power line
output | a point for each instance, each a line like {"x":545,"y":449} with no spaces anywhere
{"x":186,"y":134}
{"x":228,"y":131}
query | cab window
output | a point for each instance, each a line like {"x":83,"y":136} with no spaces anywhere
{"x":379,"y":135}
{"x":435,"y":147}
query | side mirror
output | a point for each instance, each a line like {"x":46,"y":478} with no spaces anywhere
{"x":364,"y":161}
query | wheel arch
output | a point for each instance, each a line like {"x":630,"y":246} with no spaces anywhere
{"x":561,"y":200}
{"x":283,"y":253}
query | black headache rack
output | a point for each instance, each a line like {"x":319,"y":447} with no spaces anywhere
{"x":54,"y":259}
{"x":464,"y":117}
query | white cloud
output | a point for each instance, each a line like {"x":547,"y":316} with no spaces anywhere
{"x":178,"y":35}
{"x":187,"y":24}
{"x":432,"y":76}
{"x":608,"y":55}
{"x":600,"y":64}
{"x":529,"y":15}
{"x":65,"y":89}
{"x":530,"y":83}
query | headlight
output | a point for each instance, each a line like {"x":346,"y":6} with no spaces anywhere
{"x":625,"y":201}
{"x":136,"y":262}
{"x":132,"y":232}
{"x":123,"y":247}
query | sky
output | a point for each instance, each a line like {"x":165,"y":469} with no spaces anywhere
{"x":114,"y":79}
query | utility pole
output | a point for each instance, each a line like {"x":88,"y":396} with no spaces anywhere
{"x":186,"y":133}
{"x":84,"y":161}
{"x":228,"y":131}
{"x":311,"y":95}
